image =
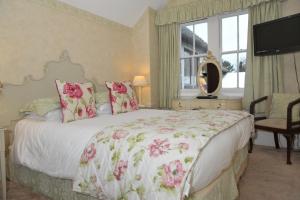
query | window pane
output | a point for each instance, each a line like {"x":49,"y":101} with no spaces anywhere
{"x":201,"y":38}
{"x":243,"y":31}
{"x":186,"y":41}
{"x":229,"y":70}
{"x":242,"y":69}
{"x":188,"y":73}
{"x":229,"y":33}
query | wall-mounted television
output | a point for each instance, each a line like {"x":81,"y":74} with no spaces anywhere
{"x":277,"y":36}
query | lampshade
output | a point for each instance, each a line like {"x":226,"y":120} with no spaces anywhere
{"x":139,"y":81}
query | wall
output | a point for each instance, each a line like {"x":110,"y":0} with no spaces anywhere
{"x":145,"y":54}
{"x":34,"y":32}
{"x":289,"y":7}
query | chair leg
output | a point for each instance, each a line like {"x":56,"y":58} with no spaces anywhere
{"x":276,"y":140}
{"x":251,"y":145}
{"x":289,"y":142}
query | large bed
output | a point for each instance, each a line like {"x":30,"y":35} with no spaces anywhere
{"x":54,"y":149}
{"x":47,"y":155}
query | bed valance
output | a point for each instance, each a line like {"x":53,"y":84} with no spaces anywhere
{"x":200,"y":9}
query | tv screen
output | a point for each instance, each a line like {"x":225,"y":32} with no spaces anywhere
{"x":277,"y":36}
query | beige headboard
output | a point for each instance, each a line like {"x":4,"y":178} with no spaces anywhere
{"x":13,"y":97}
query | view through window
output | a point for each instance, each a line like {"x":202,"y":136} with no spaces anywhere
{"x":227,"y":35}
{"x":194,"y":46}
{"x":234,"y":48}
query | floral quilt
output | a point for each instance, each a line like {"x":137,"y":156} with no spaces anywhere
{"x":149,"y":158}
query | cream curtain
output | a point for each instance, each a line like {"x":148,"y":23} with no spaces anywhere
{"x":198,"y":9}
{"x":263,"y":73}
{"x":169,"y":63}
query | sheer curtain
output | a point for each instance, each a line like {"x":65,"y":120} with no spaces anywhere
{"x":264,"y":73}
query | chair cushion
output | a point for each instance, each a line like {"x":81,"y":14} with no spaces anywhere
{"x":280,"y":103}
{"x":272,"y":123}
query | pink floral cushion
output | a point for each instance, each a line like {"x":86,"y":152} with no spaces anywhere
{"x":122,"y":97}
{"x":77,"y":100}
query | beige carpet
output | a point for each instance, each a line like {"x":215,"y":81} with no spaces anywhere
{"x":267,"y":178}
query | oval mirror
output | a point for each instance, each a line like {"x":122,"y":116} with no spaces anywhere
{"x":209,"y":76}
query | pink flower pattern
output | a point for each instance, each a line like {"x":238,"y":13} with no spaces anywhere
{"x":91,"y":112}
{"x":133,"y":104}
{"x":119,"y":134}
{"x":88,"y":153}
{"x":166,"y":130}
{"x":63,"y":104}
{"x":120,"y":169}
{"x":173,"y":174}
{"x":159,"y":147}
{"x":73,"y":90}
{"x":183,"y":146}
{"x":120,"y":88}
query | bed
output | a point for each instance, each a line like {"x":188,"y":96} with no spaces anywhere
{"x":54,"y":149}
{"x":46,"y":156}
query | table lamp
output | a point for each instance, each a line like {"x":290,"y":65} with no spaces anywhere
{"x":139,"y":82}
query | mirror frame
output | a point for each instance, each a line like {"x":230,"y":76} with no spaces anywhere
{"x":210,"y":59}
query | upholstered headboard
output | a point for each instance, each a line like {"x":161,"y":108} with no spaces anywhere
{"x":13,"y":97}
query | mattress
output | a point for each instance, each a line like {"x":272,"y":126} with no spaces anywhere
{"x":55,"y":148}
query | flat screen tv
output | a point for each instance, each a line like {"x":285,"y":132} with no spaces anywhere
{"x":277,"y":36}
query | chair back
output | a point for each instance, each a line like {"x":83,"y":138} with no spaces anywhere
{"x":278,"y":103}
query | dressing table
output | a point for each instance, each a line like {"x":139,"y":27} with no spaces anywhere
{"x":209,"y":79}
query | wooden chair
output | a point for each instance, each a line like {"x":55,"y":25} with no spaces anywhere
{"x":286,"y":126}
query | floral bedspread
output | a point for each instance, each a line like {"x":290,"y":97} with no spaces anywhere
{"x":149,"y":158}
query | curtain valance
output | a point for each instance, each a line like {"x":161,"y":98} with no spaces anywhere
{"x":201,"y":9}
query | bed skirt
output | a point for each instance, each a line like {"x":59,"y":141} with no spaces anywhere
{"x":224,"y":187}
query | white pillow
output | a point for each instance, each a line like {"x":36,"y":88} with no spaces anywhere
{"x":104,"y":109}
{"x":54,"y":115}
{"x":34,"y":116}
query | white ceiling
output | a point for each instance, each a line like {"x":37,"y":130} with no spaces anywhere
{"x":126,"y":12}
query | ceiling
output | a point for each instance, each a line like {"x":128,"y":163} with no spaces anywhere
{"x":126,"y":12}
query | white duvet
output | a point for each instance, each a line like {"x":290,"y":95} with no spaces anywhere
{"x":55,"y":148}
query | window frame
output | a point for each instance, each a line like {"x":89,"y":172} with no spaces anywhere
{"x":235,"y":90}
{"x":195,"y":91}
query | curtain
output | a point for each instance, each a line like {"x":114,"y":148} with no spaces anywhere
{"x":264,"y":73}
{"x":169,"y":63}
{"x":198,"y":9}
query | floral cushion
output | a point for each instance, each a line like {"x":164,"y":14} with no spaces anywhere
{"x":122,"y":97}
{"x":77,"y":100}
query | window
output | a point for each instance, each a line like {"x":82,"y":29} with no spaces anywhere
{"x":226,"y":37}
{"x":234,"y":30}
{"x":193,"y":48}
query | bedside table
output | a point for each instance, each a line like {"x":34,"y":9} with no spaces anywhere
{"x":226,"y":103}
{"x":2,"y":161}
